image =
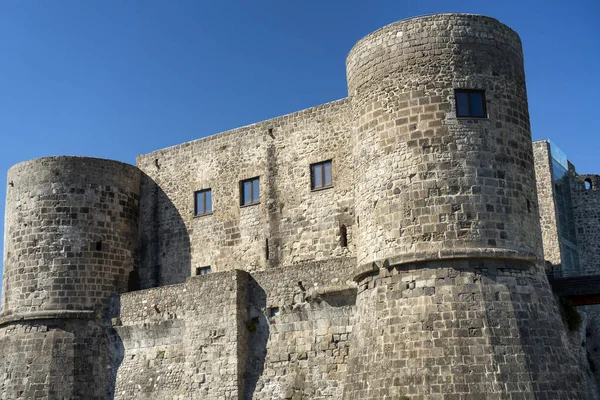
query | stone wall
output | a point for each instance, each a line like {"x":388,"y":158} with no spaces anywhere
{"x":462,"y":329}
{"x":431,"y":185}
{"x":547,"y":207}
{"x":184,"y":340}
{"x":303,"y":318}
{"x":56,"y":359}
{"x":432,"y":288}
{"x":291,"y":224}
{"x":71,"y":233}
{"x":269,"y":335}
{"x":586,"y":213}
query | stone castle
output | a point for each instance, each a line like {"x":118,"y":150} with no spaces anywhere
{"x":390,"y":245}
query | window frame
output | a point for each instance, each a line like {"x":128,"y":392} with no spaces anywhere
{"x":203,"y":193}
{"x":312,"y":175}
{"x":470,"y":92}
{"x":242,"y":192}
{"x":203,"y":271}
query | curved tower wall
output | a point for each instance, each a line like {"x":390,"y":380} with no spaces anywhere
{"x":430,"y":185}
{"x":71,"y":233}
{"x":451,"y":299}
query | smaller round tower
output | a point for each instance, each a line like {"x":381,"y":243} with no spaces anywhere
{"x":70,"y":243}
{"x":71,"y":233}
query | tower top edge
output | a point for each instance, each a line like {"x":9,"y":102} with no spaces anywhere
{"x":68,"y":159}
{"x":425,"y":17}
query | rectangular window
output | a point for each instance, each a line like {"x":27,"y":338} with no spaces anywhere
{"x":201,"y":271}
{"x":470,"y":103}
{"x":203,"y":202}
{"x":249,"y":191}
{"x":320,"y":175}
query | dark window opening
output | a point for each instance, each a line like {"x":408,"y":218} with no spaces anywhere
{"x":588,"y":184}
{"x":249,"y":191}
{"x":203,"y":202}
{"x":267,"y":248}
{"x":201,"y":271}
{"x":320,"y":175}
{"x":528,"y":206}
{"x":99,"y":245}
{"x":470,"y":103}
{"x":343,"y":236}
{"x":274,"y":311}
{"x":133,"y":283}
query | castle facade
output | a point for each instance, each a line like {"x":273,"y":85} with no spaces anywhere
{"x":383,"y":246}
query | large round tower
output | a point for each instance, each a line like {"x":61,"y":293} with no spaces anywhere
{"x":451,"y":299}
{"x":70,"y":243}
{"x":432,"y":183}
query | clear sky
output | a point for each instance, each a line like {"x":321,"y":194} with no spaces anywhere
{"x":114,"y":79}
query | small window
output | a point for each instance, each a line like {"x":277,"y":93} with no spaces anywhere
{"x":588,"y":184}
{"x":203,"y":202}
{"x":201,"y":271}
{"x":343,"y":236}
{"x":320,"y":174}
{"x":470,"y":103}
{"x":249,"y":191}
{"x":273,"y":312}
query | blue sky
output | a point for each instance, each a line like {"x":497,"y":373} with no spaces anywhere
{"x":114,"y":79}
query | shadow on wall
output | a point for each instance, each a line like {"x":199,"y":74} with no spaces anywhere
{"x":258,"y":328}
{"x":532,"y":321}
{"x":116,"y":351}
{"x":165,"y":257}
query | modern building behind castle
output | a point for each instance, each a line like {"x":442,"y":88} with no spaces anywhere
{"x":383,"y":246}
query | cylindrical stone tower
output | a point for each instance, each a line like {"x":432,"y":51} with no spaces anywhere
{"x":429,"y":184}
{"x":451,"y":299}
{"x":70,"y":243}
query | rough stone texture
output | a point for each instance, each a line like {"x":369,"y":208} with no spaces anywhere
{"x":585,"y":345}
{"x":430,"y":185}
{"x":216,"y":336}
{"x":71,"y":233}
{"x":586,"y":213}
{"x":436,"y":291}
{"x":70,"y":243}
{"x":56,"y":359}
{"x":302,"y":352}
{"x":299,"y":224}
{"x":547,"y":207}
{"x":459,"y":329}
{"x":184,"y":339}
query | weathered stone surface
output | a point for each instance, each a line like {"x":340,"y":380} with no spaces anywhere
{"x":570,"y":221}
{"x":71,"y":233}
{"x":299,"y":224}
{"x":462,"y":184}
{"x":418,"y":274}
{"x":461,"y":327}
{"x":547,"y":206}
